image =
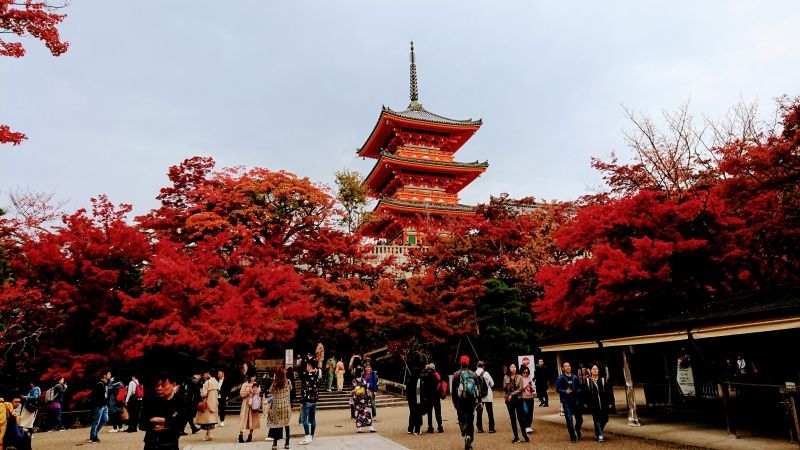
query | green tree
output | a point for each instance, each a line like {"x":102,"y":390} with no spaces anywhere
{"x":505,"y":322}
{"x":352,"y":194}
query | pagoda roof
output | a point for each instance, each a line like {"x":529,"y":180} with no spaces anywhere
{"x":382,"y":173}
{"x":416,"y":118}
{"x":387,"y":209}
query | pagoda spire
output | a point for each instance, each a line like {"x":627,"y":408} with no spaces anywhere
{"x":414,"y":105}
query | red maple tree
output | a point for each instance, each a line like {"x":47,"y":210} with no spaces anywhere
{"x":36,"y":19}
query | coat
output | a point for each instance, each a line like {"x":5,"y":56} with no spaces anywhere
{"x":249,"y":419}
{"x":280,"y":412}
{"x":210,"y":393}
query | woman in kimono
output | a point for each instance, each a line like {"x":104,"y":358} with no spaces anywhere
{"x":207,"y":418}
{"x":360,"y":397}
{"x":248,"y":418}
{"x":340,"y":375}
{"x":280,"y":411}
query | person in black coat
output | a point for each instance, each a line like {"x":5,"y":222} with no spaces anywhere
{"x":164,"y":415}
{"x":414,"y":401}
{"x":598,"y":398}
{"x":190,"y":389}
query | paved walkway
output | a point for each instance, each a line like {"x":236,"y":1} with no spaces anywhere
{"x":680,"y":433}
{"x":365,"y":441}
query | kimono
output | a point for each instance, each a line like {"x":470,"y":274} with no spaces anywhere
{"x":209,"y":418}
{"x":361,"y":402}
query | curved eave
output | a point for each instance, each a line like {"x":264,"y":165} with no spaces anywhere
{"x":388,"y":209}
{"x":383,"y":171}
{"x":388,"y":120}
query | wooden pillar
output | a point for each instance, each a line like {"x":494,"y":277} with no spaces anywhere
{"x":726,"y":405}
{"x":630,"y":395}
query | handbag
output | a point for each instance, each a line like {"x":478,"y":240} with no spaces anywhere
{"x":255,"y":402}
{"x":202,"y":406}
{"x":123,"y":415}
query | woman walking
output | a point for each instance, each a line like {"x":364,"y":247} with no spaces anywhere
{"x":512,"y":390}
{"x":280,"y":410}
{"x":599,"y":398}
{"x":248,"y":416}
{"x":207,"y":416}
{"x":360,"y":395}
{"x":115,"y":406}
{"x":30,"y":407}
{"x":528,"y":394}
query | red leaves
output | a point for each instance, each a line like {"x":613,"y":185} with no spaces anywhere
{"x":10,"y":137}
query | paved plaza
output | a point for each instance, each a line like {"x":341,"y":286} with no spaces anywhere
{"x":336,"y":431}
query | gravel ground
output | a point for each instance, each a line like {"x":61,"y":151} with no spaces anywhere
{"x":391,"y":423}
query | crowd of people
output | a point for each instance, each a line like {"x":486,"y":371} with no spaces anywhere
{"x":199,"y":402}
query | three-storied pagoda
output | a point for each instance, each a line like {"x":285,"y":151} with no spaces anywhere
{"x":416,"y":179}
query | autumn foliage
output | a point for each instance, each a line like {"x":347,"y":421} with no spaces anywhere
{"x":35,"y":19}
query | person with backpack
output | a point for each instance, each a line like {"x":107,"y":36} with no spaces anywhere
{"x":512,"y":390}
{"x":54,"y":397}
{"x":487,"y":383}
{"x":431,"y":396}
{"x":116,"y":400}
{"x":133,"y":403}
{"x":466,"y":394}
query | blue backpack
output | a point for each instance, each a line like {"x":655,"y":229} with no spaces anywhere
{"x":468,"y":387}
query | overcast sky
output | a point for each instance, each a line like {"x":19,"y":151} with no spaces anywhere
{"x":299,"y":85}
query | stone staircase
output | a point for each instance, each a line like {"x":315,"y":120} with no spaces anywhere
{"x":330,"y":400}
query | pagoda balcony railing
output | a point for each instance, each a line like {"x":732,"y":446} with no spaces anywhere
{"x":395,"y":249}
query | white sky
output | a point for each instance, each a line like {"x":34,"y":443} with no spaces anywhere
{"x":299,"y":85}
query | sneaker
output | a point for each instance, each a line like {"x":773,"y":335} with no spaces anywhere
{"x":113,"y":430}
{"x":600,"y":439}
{"x":358,"y":430}
{"x":430,"y":430}
{"x":467,"y":443}
{"x":528,"y":430}
{"x":492,"y":431}
{"x":306,"y":440}
{"x":372,"y":429}
{"x":440,"y":430}
{"x":95,"y":440}
{"x":222,"y":424}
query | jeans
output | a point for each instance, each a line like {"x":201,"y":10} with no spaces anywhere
{"x":571,"y":411}
{"x":600,"y":420}
{"x":309,"y":417}
{"x":466,"y":418}
{"x":489,"y":413}
{"x":56,"y":412}
{"x":527,"y":409}
{"x":99,"y":418}
{"x":515,"y":413}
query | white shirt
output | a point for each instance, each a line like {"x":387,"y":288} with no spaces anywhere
{"x":131,"y":390}
{"x":489,"y":397}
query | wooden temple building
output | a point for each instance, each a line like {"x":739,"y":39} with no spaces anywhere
{"x":416,"y":179}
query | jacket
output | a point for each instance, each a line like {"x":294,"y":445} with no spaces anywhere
{"x":563,"y":383}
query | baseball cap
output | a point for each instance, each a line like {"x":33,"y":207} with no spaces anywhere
{"x":464,"y":360}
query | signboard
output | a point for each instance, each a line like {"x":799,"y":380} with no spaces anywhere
{"x":525,"y":360}
{"x":685,"y":379}
{"x":289,"y":360}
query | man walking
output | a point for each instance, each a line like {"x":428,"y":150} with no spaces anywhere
{"x":98,"y":399}
{"x":224,"y":392}
{"x":568,"y":388}
{"x":466,"y":394}
{"x":487,"y":399}
{"x":542,"y":377}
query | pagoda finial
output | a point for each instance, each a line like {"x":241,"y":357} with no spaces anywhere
{"x":415,"y":105}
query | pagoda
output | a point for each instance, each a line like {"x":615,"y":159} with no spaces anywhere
{"x":416,"y":179}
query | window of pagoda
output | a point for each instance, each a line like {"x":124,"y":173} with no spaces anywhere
{"x":423,"y":153}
